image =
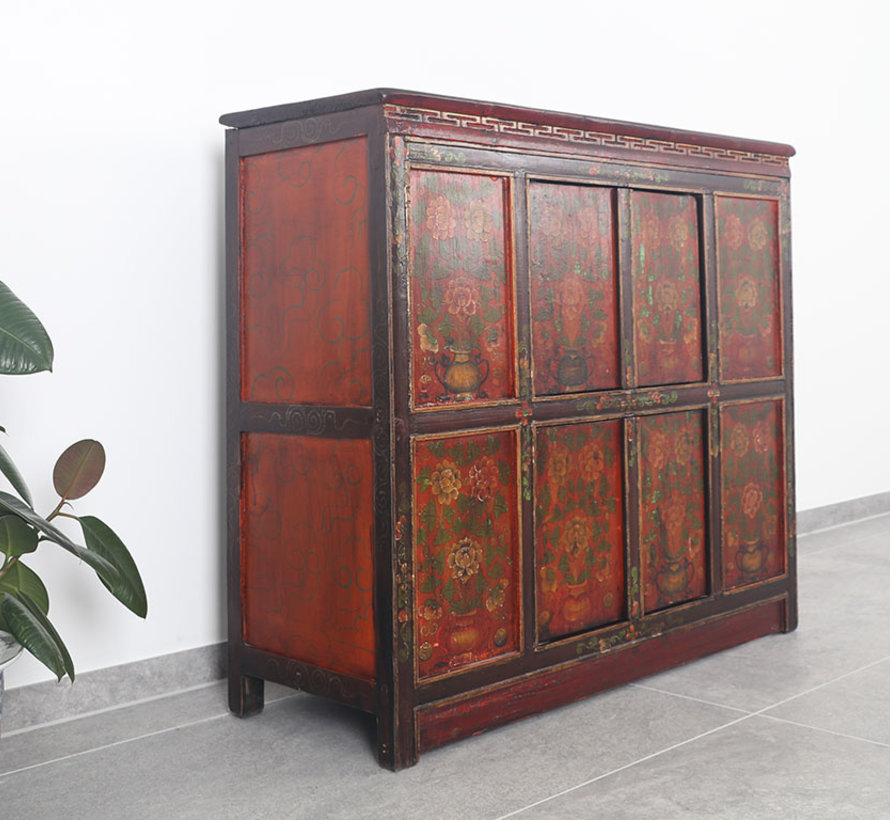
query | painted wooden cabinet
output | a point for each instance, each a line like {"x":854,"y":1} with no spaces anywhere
{"x":509,"y":406}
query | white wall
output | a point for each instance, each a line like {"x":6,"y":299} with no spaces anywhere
{"x":111,"y":224}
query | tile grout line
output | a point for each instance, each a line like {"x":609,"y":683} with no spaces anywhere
{"x":128,"y":704}
{"x":625,"y":767}
{"x":686,"y":742}
{"x":104,"y":746}
{"x":826,"y":731}
{"x":690,"y":697}
{"x":106,"y":709}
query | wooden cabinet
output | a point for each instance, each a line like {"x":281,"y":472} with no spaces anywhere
{"x":509,"y":406}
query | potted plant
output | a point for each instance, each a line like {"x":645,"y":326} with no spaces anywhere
{"x":26,"y":348}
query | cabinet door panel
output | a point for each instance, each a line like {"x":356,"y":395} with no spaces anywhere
{"x":579,"y":527}
{"x":748,"y":283}
{"x":574,"y":288}
{"x":466,"y":550}
{"x":461,"y":288}
{"x":666,"y":288}
{"x":753,"y":492}
{"x":672,"y":508}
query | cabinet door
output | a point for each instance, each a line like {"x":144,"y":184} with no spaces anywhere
{"x":672,"y":508}
{"x":466,"y":550}
{"x":753,"y":492}
{"x":574,"y":287}
{"x":667,"y":286}
{"x":579,"y":527}
{"x":748,"y":284}
{"x":460,"y":288}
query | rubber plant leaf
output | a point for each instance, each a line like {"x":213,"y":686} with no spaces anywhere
{"x":16,"y":537}
{"x":25,"y":346}
{"x":101,"y":539}
{"x":106,"y":571}
{"x":8,"y":468}
{"x":32,"y":629}
{"x":79,"y":469}
{"x":22,"y":579}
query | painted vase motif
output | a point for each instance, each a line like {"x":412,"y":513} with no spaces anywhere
{"x":675,"y":577}
{"x":570,"y":369}
{"x":463,"y":373}
{"x":577,"y":607}
{"x":464,"y":636}
{"x":751,"y":556}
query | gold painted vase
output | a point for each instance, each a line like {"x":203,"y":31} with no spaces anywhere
{"x":464,"y":374}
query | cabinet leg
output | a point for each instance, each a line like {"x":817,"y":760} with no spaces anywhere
{"x":245,"y":695}
{"x":395,"y":751}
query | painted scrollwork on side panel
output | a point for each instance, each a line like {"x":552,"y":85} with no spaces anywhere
{"x":306,"y":276}
{"x":307,"y":563}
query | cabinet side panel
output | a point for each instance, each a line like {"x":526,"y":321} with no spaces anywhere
{"x":666,"y":288}
{"x":579,"y":532}
{"x":305,"y":329}
{"x":753,"y":493}
{"x":748,"y":268}
{"x":574,"y":288}
{"x":307,"y":564}
{"x":672,"y":508}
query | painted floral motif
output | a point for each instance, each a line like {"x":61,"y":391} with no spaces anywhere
{"x":748,"y":273}
{"x":579,"y":533}
{"x":672,"y":508}
{"x":466,"y":533}
{"x":461,"y":288}
{"x":573,"y":288}
{"x":753,"y":496}
{"x":667,"y":288}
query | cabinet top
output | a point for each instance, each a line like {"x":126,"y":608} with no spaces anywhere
{"x":487,"y":115}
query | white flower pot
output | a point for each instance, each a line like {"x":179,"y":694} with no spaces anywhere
{"x":10,"y":649}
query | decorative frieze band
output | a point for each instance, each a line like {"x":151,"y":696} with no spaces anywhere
{"x":475,"y":122}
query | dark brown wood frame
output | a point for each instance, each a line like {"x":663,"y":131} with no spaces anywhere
{"x":405,"y":127}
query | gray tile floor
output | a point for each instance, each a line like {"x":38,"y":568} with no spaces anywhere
{"x":788,"y":726}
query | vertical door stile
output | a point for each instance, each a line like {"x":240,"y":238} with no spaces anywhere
{"x":712,"y":357}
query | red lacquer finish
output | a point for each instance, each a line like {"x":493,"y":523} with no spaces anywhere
{"x":666,"y":288}
{"x":748,"y":272}
{"x":461,"y":288}
{"x":307,"y":563}
{"x":466,"y":550}
{"x":672,"y":508}
{"x":444,"y":722}
{"x":574,"y":288}
{"x":579,"y":527}
{"x":753,"y":493}
{"x":305,"y":329}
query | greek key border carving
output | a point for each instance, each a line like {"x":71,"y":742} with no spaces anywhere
{"x":495,"y":125}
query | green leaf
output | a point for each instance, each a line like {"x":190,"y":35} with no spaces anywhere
{"x":8,"y":468}
{"x":79,"y":469}
{"x":127,"y":586}
{"x":31,"y":628}
{"x":22,"y":579}
{"x":16,"y":537}
{"x":25,"y":346}
{"x":97,"y":562}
